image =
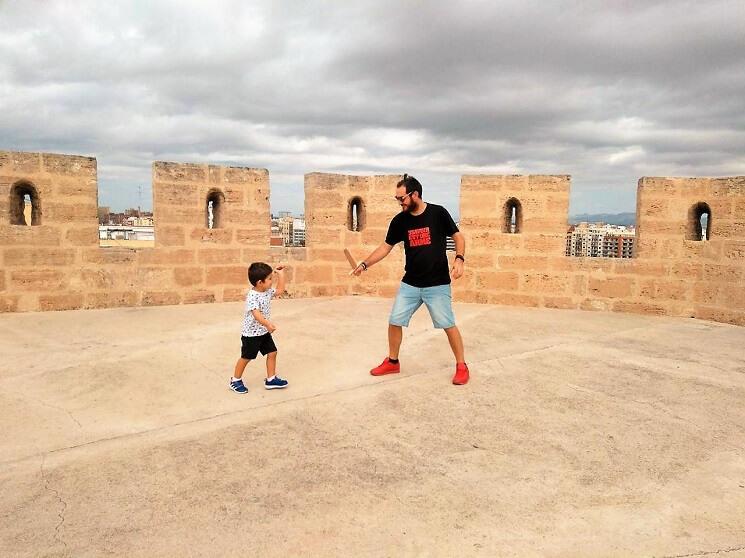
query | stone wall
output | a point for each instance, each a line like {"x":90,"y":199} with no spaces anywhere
{"x":55,"y":262}
{"x":671,"y":274}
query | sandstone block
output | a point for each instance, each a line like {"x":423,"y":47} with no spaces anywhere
{"x":612,"y":287}
{"x":687,"y":270}
{"x":167,"y":194}
{"x":199,"y":297}
{"x":165,"y":256}
{"x":98,"y":279}
{"x":514,"y":299}
{"x":220,"y":256}
{"x":213,"y":236}
{"x":180,"y":215}
{"x":188,"y":276}
{"x":148,"y":278}
{"x":724,"y":273}
{"x":497,"y":280}
{"x":82,"y":236}
{"x":70,"y":165}
{"x":674,"y":290}
{"x":544,"y":283}
{"x":111,"y":299}
{"x":318,"y":273}
{"x":733,"y":249}
{"x":169,"y":235}
{"x":641,"y":267}
{"x":14,"y":162}
{"x":112,"y":255}
{"x":719,"y":314}
{"x":329,"y":290}
{"x":68,"y":213}
{"x":561,"y":302}
{"x":257,"y":236}
{"x":18,"y":235}
{"x":178,"y":172}
{"x":43,"y":257}
{"x":545,"y":243}
{"x":234,"y":294}
{"x":38,"y":280}
{"x":227,"y":275}
{"x":71,"y":301}
{"x":80,"y":187}
{"x":706,"y":293}
{"x":8,"y":303}
{"x":639,"y":307}
{"x":160,"y":298}
{"x":527,"y":263}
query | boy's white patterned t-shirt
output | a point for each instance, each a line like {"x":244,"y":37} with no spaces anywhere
{"x":256,"y":301}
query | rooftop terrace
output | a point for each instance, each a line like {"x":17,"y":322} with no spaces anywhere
{"x":580,"y":434}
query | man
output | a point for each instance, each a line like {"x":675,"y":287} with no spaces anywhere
{"x":423,"y":228}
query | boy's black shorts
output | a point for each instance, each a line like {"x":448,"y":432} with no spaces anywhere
{"x":250,"y":346}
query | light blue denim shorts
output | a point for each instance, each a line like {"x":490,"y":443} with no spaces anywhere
{"x":438,"y":300}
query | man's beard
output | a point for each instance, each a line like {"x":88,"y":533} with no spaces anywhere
{"x":412,"y":207}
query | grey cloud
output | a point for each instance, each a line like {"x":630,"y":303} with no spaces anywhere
{"x":604,"y":93}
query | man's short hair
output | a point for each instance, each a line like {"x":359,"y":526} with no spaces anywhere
{"x":258,"y":271}
{"x":411,"y":184}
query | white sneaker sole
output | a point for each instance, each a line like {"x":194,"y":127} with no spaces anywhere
{"x":275,"y":387}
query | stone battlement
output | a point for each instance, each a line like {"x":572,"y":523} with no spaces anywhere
{"x":55,"y":262}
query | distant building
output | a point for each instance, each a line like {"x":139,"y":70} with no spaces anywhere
{"x":600,"y":240}
{"x":123,"y":232}
{"x":290,"y":229}
{"x":298,"y":232}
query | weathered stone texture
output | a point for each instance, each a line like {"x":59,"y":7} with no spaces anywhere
{"x":58,"y":265}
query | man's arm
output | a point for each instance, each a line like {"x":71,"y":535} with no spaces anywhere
{"x":378,"y":254}
{"x":460,"y":250}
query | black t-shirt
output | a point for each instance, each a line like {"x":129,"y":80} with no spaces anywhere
{"x":425,"y":239}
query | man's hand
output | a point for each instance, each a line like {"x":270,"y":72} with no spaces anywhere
{"x":271,"y":327}
{"x":457,"y":270}
{"x":359,"y":269}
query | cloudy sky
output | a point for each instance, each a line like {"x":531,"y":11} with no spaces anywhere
{"x":605,"y":91}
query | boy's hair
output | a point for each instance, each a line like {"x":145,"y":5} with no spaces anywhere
{"x":411,"y":184}
{"x":258,"y":271}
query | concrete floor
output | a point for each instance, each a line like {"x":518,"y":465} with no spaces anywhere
{"x":580,"y":434}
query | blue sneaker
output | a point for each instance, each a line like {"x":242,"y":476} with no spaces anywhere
{"x":276,"y":383}
{"x":238,"y":387}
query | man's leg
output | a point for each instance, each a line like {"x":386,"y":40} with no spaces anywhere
{"x":395,"y":335}
{"x":406,"y":303}
{"x":456,"y":343}
{"x":439,"y":302}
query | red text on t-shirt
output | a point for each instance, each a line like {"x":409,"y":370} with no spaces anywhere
{"x":419,"y":237}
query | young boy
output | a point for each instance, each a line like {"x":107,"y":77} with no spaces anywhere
{"x":256,"y":334}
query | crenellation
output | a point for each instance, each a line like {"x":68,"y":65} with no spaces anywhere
{"x":69,"y":165}
{"x":179,"y":172}
{"x":57,"y":264}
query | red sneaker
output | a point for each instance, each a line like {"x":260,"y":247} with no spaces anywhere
{"x":461,"y":374}
{"x":387,"y":367}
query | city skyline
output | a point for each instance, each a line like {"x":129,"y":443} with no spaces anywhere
{"x":604,"y":93}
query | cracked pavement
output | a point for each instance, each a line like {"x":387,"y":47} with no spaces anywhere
{"x":580,"y":434}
